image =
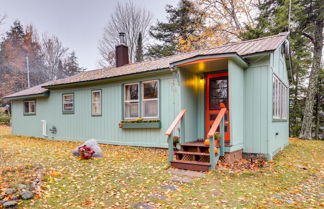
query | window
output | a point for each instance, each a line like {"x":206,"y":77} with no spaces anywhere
{"x":144,"y":95}
{"x":131,"y":101}
{"x":68,"y":103}
{"x":30,"y":107}
{"x":279,"y":99}
{"x":150,"y":99}
{"x":96,"y":102}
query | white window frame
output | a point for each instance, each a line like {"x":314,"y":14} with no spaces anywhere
{"x":29,"y":107}
{"x":99,"y":102}
{"x":279,"y":99}
{"x":64,"y":102}
{"x":129,"y":101}
{"x":157,"y":99}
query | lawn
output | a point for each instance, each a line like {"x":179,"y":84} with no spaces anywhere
{"x":126,"y":176}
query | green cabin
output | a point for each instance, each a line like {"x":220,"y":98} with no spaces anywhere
{"x":238,"y":90}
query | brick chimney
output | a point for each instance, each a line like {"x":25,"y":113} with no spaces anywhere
{"x":121,"y":51}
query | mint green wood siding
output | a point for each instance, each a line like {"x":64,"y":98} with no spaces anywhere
{"x":81,"y":125}
{"x":189,"y":101}
{"x":256,"y":106}
{"x":260,"y":129}
{"x":278,"y":130}
{"x":250,"y":95}
{"x":236,"y":107}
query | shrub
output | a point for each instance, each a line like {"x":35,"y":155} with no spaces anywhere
{"x":4,"y":119}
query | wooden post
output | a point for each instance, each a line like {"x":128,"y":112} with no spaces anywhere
{"x":183,"y":130}
{"x":222,"y":144}
{"x":170,"y":143}
{"x":212,"y":152}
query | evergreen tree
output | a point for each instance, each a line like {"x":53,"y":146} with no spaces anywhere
{"x":182,"y":32}
{"x":16,"y":32}
{"x":71,"y":65}
{"x":139,"y":49}
{"x":310,"y":19}
{"x":273,"y":19}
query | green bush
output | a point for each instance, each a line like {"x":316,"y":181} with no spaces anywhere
{"x":4,"y":119}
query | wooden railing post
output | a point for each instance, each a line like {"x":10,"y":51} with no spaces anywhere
{"x":171,"y":152}
{"x":219,"y":121}
{"x":222,"y":151}
{"x":169,"y":133}
{"x":212,"y":152}
{"x":183,"y":130}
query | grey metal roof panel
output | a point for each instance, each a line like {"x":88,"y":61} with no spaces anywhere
{"x":243,"y":48}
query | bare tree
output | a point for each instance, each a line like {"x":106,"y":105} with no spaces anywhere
{"x":227,"y":18}
{"x":53,"y":53}
{"x":2,"y":19}
{"x":132,"y":21}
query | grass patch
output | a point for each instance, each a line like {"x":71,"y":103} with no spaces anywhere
{"x":127,"y":175}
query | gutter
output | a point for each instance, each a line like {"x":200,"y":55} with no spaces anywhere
{"x":45,"y":94}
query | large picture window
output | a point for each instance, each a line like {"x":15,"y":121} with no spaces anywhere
{"x":30,"y":107}
{"x":279,"y":99}
{"x":68,"y":103}
{"x":141,"y":100}
{"x":96,"y":102}
{"x":150,"y":99}
{"x":131,"y":101}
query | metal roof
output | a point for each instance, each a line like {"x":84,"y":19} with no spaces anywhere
{"x":242,"y":49}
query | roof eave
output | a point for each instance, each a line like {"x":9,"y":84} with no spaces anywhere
{"x":236,"y":57}
{"x":120,"y":77}
{"x":11,"y":98}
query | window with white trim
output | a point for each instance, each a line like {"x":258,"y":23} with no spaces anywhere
{"x":30,"y":107}
{"x":150,"y":99}
{"x":68,"y":103}
{"x":131,"y":101}
{"x":279,"y":99}
{"x":96,"y":102}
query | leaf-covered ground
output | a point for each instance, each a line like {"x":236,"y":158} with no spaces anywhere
{"x":126,"y":176}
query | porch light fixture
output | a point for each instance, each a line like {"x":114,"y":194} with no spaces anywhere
{"x":201,"y":80}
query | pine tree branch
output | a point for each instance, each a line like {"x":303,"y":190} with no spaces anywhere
{"x":309,"y":37}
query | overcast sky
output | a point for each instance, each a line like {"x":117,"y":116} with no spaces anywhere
{"x":77,"y":23}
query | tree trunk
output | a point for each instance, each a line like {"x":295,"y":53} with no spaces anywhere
{"x":306,"y":130}
{"x":317,"y":115}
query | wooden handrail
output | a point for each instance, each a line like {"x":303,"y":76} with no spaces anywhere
{"x":175,"y":122}
{"x":216,"y":123}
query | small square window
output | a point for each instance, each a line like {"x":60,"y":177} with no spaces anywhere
{"x":30,"y":107}
{"x":68,"y":103}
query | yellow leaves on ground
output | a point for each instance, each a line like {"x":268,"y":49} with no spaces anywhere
{"x":126,"y":176}
{"x":55,"y":174}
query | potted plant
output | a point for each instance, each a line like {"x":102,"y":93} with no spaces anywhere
{"x":217,"y":136}
{"x":176,"y":142}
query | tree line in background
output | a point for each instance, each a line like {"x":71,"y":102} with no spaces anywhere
{"x":196,"y":24}
{"x":190,"y":25}
{"x":47,"y":58}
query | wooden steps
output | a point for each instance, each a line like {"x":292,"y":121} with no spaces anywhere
{"x":191,"y":153}
{"x":192,"y":156}
{"x":190,"y":165}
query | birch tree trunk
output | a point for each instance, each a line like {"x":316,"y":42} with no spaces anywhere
{"x":306,"y":130}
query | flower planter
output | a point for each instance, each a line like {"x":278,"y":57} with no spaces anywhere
{"x":141,"y":125}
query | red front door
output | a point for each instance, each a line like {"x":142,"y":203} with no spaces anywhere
{"x":216,"y":93}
